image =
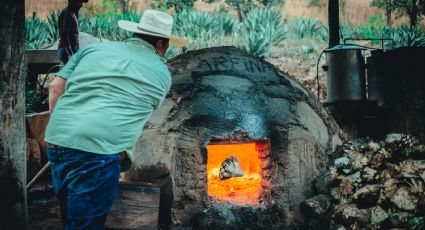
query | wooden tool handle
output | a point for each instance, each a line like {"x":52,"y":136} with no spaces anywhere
{"x":38,"y":175}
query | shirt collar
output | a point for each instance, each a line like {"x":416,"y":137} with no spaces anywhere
{"x":145,"y":44}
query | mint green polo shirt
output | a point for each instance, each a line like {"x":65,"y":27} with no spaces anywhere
{"x":111,"y":91}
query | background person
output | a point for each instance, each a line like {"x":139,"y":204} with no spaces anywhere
{"x":68,"y":30}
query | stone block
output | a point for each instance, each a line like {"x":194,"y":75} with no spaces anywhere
{"x":266,"y":163}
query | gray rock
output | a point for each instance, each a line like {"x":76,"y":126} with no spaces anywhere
{"x":341,"y":162}
{"x":404,"y":200}
{"x":393,"y":137}
{"x":351,"y":214}
{"x":316,"y":206}
{"x":355,"y":178}
{"x":400,"y":218}
{"x":334,"y":192}
{"x":369,"y":174}
{"x":367,"y":196}
{"x":373,"y":146}
{"x":378,"y":215}
{"x":321,"y":182}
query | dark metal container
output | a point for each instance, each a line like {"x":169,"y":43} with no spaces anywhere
{"x":346,"y":73}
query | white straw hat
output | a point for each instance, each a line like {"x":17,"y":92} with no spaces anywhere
{"x":154,"y":23}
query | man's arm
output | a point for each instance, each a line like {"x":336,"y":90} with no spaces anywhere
{"x":57,"y":88}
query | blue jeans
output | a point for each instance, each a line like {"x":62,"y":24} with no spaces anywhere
{"x":63,"y":56}
{"x":85,"y":185}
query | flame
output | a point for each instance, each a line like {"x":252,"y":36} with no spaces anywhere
{"x":241,"y":190}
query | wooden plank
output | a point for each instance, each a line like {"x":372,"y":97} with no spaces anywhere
{"x":41,"y":57}
{"x":136,"y":206}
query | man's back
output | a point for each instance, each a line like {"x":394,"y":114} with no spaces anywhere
{"x":110,"y":93}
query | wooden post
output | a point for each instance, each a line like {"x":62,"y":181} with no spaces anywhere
{"x":13,"y":208}
{"x":333,"y":16}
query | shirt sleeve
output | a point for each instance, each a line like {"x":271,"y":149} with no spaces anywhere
{"x":167,"y":89}
{"x":68,"y":69}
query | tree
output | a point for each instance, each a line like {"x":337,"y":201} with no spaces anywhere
{"x":13,"y":214}
{"x":414,"y":9}
{"x":388,"y":6}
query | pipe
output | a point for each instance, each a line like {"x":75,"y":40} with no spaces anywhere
{"x":333,"y":17}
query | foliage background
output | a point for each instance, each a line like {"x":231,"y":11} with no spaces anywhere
{"x":266,"y":28}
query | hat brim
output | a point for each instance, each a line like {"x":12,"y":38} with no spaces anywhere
{"x":134,"y":27}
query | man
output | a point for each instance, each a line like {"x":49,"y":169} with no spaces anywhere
{"x":99,"y":103}
{"x":68,"y":30}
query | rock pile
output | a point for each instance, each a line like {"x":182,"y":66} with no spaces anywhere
{"x":372,"y":185}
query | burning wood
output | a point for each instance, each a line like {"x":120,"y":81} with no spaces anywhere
{"x":230,"y":168}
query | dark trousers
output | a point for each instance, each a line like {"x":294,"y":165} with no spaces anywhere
{"x":85,"y":185}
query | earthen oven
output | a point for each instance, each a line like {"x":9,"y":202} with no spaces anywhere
{"x":227,"y":104}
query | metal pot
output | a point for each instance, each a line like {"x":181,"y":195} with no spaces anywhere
{"x":346,"y":73}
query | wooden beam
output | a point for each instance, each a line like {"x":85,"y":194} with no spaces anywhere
{"x":41,"y":57}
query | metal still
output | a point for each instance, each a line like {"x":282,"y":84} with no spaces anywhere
{"x":346,"y":73}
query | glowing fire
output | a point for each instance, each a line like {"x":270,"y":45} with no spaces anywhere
{"x":243,"y":190}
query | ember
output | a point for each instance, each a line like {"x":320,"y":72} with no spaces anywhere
{"x":241,"y":190}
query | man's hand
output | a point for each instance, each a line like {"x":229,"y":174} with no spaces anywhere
{"x":57,"y":88}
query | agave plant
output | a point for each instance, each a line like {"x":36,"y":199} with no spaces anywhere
{"x":202,"y":29}
{"x":303,"y":28}
{"x":258,"y":43}
{"x":261,"y":16}
{"x":52,"y":26}
{"x":190,"y":23}
{"x":36,"y":36}
{"x":406,"y":36}
{"x":224,"y":22}
{"x":259,"y":31}
{"x":107,"y":26}
{"x":348,"y":31}
{"x":266,"y":21}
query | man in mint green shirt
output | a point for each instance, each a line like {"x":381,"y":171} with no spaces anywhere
{"x":99,"y":104}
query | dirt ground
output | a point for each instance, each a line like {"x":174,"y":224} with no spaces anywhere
{"x":299,"y":59}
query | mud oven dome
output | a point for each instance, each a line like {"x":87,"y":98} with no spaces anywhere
{"x":235,"y":145}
